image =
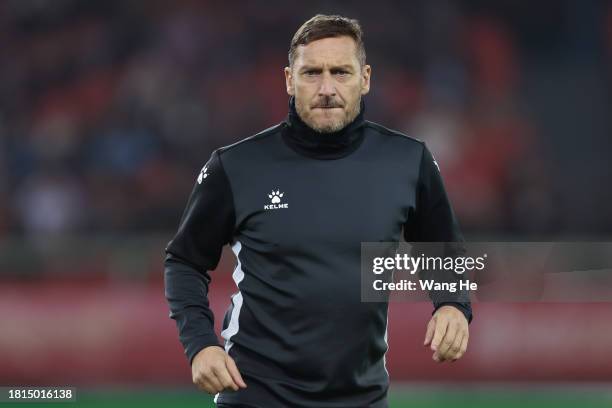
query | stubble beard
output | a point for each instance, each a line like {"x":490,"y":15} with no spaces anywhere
{"x":328,"y":127}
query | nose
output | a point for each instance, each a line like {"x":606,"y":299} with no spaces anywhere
{"x":327,"y":87}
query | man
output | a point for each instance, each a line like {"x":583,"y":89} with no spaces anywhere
{"x":295,"y":201}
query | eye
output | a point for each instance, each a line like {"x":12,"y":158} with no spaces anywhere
{"x":311,"y":72}
{"x":341,"y":72}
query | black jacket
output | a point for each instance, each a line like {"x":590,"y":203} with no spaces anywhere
{"x":295,"y":206}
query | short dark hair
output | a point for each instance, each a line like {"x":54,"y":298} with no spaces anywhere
{"x":325,"y":26}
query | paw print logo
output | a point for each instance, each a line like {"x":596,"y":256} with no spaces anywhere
{"x":275,"y":196}
{"x":202,"y":175}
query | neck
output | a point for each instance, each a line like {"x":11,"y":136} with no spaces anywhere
{"x":309,"y":142}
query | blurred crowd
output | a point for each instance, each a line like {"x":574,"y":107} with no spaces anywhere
{"x":108,"y":109}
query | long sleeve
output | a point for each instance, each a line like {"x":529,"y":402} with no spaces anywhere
{"x":434,"y":219}
{"x":206,"y":226}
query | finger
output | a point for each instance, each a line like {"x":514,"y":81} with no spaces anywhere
{"x":198,"y":380}
{"x":205,"y":385}
{"x":455,"y":348}
{"x":215,"y":384}
{"x":430,"y":331}
{"x":234,"y":373}
{"x":439,"y":332}
{"x":225,"y":378}
{"x":444,"y":351}
{"x":464,"y":343}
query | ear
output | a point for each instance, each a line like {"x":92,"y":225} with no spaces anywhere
{"x":366,"y":73}
{"x":289,"y":81}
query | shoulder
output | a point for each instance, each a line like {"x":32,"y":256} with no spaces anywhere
{"x":237,"y":152}
{"x":251,"y":142}
{"x":397,"y":138}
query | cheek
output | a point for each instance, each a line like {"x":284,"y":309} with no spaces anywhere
{"x":306,"y":89}
{"x":304,"y":95}
{"x":350,"y":95}
{"x":349,"y":90}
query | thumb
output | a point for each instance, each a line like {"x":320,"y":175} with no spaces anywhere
{"x":430,"y":331}
{"x":234,"y":373}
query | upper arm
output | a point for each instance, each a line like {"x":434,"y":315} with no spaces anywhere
{"x":433,"y":219}
{"x":208,"y":220}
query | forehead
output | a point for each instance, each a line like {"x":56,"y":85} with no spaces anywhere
{"x":328,"y":51}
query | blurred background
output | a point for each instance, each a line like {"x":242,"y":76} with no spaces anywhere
{"x":109,"y":109}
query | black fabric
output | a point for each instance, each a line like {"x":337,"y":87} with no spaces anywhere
{"x":205,"y":227}
{"x":295,"y":206}
{"x":210,"y":208}
{"x":434,"y":221}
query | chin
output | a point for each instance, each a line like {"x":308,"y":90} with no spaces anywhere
{"x":328,"y":127}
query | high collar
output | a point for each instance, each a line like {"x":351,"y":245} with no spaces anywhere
{"x":307,"y":141}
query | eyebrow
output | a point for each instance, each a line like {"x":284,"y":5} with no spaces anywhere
{"x":345,"y":67}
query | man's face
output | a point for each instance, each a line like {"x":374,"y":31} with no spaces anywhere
{"x":327,"y":83}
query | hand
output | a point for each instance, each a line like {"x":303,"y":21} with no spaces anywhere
{"x":213,"y":371}
{"x":448,"y":334}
